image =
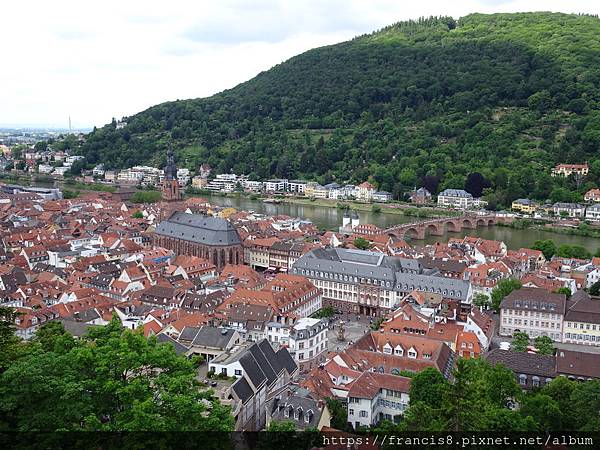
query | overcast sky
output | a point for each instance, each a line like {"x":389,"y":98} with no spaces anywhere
{"x":69,"y":58}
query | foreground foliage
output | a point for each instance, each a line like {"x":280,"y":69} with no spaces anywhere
{"x":113,"y":379}
{"x":488,"y":398}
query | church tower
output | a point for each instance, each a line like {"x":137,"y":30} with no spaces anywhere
{"x":170,"y":187}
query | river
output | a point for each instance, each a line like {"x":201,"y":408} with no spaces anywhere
{"x":330,"y":218}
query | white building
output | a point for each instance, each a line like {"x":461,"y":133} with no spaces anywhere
{"x":593,"y":213}
{"x":533,"y":311}
{"x":254,"y":186}
{"x":183,"y":176}
{"x":382,"y":196}
{"x":276,"y":186}
{"x":45,"y":168}
{"x":374,"y":397}
{"x":455,"y":198}
{"x":308,"y":342}
{"x":297,"y":186}
{"x":568,"y":209}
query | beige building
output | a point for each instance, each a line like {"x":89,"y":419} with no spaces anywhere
{"x":582,"y":320}
{"x":533,"y":311}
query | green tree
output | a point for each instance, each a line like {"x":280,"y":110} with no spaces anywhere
{"x":502,"y":289}
{"x":481,"y":300}
{"x":361,"y":243}
{"x":339,"y":414}
{"x":9,"y":344}
{"x":544,"y":345}
{"x":546,"y":246}
{"x":560,"y":390}
{"x":520,"y":341}
{"x":573,"y":251}
{"x":113,"y":379}
{"x":428,"y":386}
{"x":138,"y":215}
{"x":68,"y":193}
{"x":565,"y":291}
{"x":595,"y":289}
{"x":544,"y":410}
{"x":585,"y":404}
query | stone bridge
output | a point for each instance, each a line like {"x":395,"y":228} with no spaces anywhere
{"x":438,"y":227}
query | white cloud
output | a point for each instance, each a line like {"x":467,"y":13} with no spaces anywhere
{"x":114,"y":58}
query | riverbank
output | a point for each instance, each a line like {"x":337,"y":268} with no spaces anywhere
{"x":583,"y":230}
{"x":396,"y":208}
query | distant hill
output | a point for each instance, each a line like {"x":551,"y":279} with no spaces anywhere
{"x":422,"y":102}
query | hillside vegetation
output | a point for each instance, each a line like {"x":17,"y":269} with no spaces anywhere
{"x":423,"y":102}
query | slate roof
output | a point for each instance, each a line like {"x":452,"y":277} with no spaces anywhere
{"x":252,"y":371}
{"x":243,"y":390}
{"x":403,"y":274}
{"x":261,"y":365}
{"x":285,"y":359}
{"x":536,"y":300}
{"x":212,"y":337}
{"x":179,"y":349}
{"x":527,"y":363}
{"x":200,"y":229}
{"x":306,"y":408}
{"x":584,"y":309}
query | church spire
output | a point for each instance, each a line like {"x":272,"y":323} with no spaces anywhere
{"x":170,"y":188}
{"x":170,"y":168}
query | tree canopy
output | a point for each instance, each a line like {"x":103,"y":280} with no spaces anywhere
{"x":111,"y":380}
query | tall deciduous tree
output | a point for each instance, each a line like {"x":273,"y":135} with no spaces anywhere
{"x":112,"y":380}
{"x":502,"y":289}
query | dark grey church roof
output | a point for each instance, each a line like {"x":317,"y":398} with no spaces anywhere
{"x":270,"y":354}
{"x":242,"y":390}
{"x":263,"y":363}
{"x":286,"y":361}
{"x":200,"y":229}
{"x":252,"y":370}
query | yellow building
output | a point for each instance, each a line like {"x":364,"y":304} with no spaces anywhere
{"x":524,"y":205}
{"x":582,"y":320}
{"x":309,"y":189}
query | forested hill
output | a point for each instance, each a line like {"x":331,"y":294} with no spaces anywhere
{"x":417,"y":103}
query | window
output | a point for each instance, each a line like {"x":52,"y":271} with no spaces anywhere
{"x":523,"y":380}
{"x":364,"y":414}
{"x":238,"y":372}
{"x":300,"y":356}
{"x":351,"y":412}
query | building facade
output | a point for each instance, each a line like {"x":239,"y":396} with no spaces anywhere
{"x":455,"y":198}
{"x":211,"y":238}
{"x":363,"y":282}
{"x":533,"y":311}
{"x":308,"y":342}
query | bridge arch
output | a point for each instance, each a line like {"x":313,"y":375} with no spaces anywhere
{"x":411,"y":233}
{"x":452,"y":226}
{"x":468,"y":223}
{"x":433,"y":229}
